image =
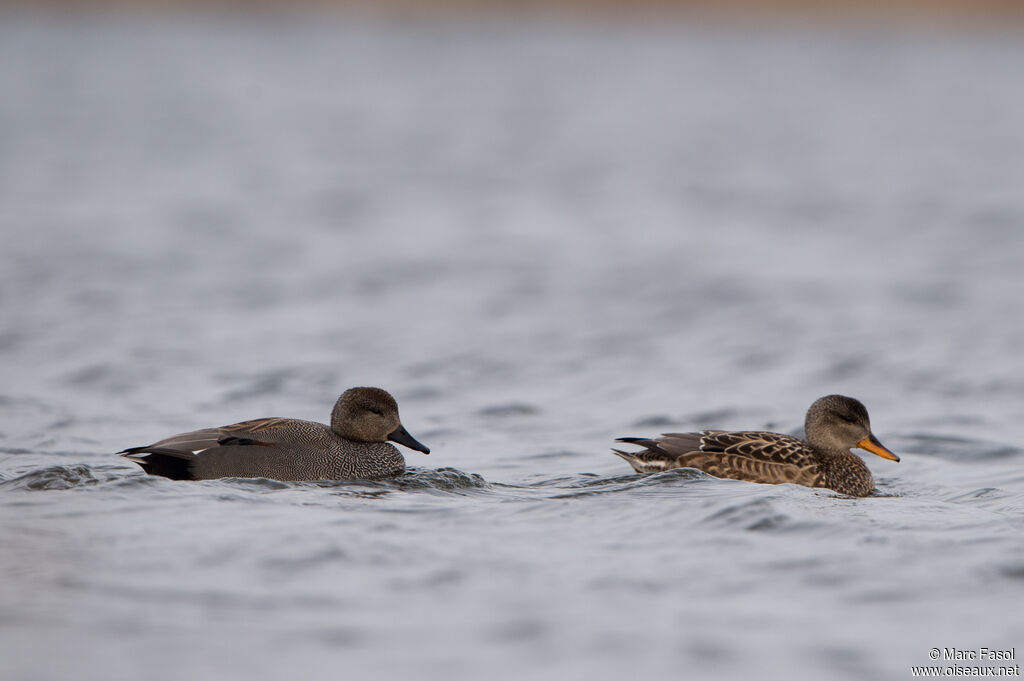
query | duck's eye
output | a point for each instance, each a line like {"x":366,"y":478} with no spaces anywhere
{"x":847,"y":418}
{"x":376,"y":411}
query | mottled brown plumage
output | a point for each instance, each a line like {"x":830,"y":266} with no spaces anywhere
{"x":835,"y":424}
{"x":353,"y":447}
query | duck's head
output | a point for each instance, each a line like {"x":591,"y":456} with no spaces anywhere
{"x":371,"y":415}
{"x":837,"y":422}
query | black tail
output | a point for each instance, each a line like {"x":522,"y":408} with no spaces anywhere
{"x":173,"y":467}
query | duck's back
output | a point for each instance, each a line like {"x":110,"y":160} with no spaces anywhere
{"x":755,"y":456}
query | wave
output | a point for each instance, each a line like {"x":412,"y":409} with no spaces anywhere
{"x":957,"y":448}
{"x":414,"y":479}
{"x":54,"y":478}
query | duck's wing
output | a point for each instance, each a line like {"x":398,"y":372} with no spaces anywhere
{"x":662,"y":453}
{"x":187,"y":445}
{"x":174,"y":457}
{"x":755,"y":444}
{"x":756,"y":456}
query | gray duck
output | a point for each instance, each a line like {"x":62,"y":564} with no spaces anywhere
{"x":354,"y":446}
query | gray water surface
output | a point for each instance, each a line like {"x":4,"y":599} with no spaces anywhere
{"x":538,"y":237}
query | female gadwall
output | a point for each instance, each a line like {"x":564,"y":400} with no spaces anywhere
{"x":353,"y":447}
{"x":834,"y":425}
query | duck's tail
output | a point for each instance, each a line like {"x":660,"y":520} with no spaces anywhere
{"x":172,"y":466}
{"x":639,"y":463}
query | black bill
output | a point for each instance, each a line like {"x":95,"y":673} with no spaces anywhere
{"x":402,"y":437}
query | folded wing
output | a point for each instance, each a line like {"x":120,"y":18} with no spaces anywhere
{"x":745,"y":455}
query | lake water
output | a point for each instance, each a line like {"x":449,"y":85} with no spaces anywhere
{"x":539,"y":236}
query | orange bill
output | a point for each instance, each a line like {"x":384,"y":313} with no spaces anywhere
{"x":871,"y":444}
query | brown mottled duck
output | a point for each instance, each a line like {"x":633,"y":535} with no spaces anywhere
{"x":835,"y":424}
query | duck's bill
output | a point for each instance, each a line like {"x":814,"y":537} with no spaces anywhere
{"x":402,"y":437}
{"x":871,"y":444}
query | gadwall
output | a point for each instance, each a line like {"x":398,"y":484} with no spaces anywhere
{"x":834,"y":425}
{"x":353,"y":447}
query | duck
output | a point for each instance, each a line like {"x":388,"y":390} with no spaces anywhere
{"x":356,"y":445}
{"x":834,"y":425}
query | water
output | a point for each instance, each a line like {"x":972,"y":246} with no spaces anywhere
{"x":538,"y":236}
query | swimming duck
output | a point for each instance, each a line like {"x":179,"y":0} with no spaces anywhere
{"x":354,"y":446}
{"x":834,"y":425}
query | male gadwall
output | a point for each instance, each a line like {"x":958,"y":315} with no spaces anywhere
{"x":353,"y":447}
{"x":834,"y":425}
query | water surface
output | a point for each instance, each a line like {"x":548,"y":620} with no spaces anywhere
{"x":538,"y":238}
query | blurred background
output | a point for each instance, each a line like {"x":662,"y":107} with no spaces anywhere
{"x":918,"y":10}
{"x":541,"y":226}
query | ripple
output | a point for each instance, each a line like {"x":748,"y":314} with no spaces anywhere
{"x":1013,"y":571}
{"x":655,"y":421}
{"x":512,"y":409}
{"x":982,"y":493}
{"x":588,"y":484}
{"x":714,"y":416}
{"x":257,"y":484}
{"x":518,"y":630}
{"x":441,"y":479}
{"x":105,"y":377}
{"x":335,"y":637}
{"x":54,"y":478}
{"x":438,"y":480}
{"x":291,"y":563}
{"x":556,"y":454}
{"x":756,"y":515}
{"x":958,"y":448}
